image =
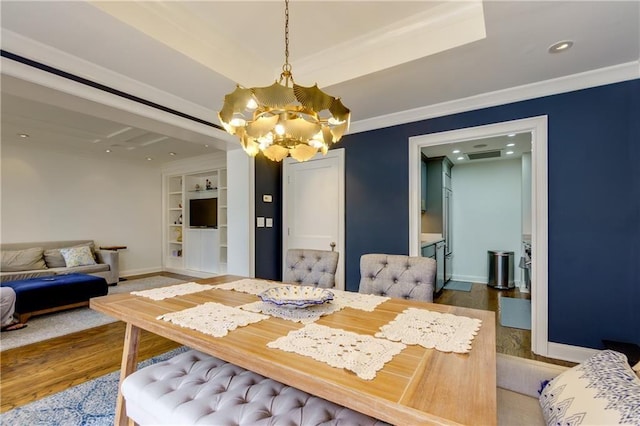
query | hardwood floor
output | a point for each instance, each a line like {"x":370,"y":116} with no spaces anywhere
{"x":32,"y":372}
{"x":511,"y":341}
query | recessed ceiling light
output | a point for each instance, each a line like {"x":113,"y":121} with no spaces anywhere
{"x":172,"y":153}
{"x":107,"y":150}
{"x":560,"y":46}
{"x":149,"y":158}
{"x":509,"y":152}
{"x":511,"y":135}
{"x":460,"y":158}
{"x":206,"y":146}
{"x":23,"y":135}
{"x":511,"y":144}
{"x":456,"y":151}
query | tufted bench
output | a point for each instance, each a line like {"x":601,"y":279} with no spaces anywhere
{"x":311,"y":267}
{"x":405,"y":277}
{"x":197,"y":389}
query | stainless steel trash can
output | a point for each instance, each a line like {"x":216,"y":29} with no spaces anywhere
{"x":500,"y":269}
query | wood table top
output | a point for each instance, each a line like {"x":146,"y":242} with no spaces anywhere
{"x":418,"y":386}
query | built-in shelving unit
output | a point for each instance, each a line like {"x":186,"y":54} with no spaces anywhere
{"x":189,"y":248}
{"x":175,"y":221}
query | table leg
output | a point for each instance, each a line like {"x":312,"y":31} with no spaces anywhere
{"x":129,"y":365}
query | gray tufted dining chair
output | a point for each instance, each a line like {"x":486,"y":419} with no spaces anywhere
{"x":404,"y":277}
{"x":311,"y":267}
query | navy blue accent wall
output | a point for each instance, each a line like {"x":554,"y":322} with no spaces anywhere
{"x":268,"y":241}
{"x":594,"y":204}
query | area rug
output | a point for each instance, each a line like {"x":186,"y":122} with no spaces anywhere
{"x":90,"y":403}
{"x":60,"y":323}
{"x":458,"y":285}
{"x":515,"y":313}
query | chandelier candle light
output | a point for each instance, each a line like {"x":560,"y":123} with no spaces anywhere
{"x":284,"y":118}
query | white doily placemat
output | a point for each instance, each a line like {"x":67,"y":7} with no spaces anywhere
{"x":444,"y":332}
{"x":172,"y":291}
{"x":250,"y":286}
{"x":303,"y":315}
{"x":362,"y":354}
{"x":212,"y":318}
{"x":363,"y":302}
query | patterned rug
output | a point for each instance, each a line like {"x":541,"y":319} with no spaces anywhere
{"x":90,"y":403}
{"x":60,"y":323}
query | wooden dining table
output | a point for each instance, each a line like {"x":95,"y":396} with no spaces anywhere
{"x":418,"y":386}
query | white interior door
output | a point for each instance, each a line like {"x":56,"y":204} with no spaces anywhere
{"x":313,"y":206}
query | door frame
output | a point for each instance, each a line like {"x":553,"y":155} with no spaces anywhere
{"x":338,"y":153}
{"x":539,"y":214}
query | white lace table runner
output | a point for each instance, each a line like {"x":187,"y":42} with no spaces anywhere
{"x":362,"y":354}
{"x":172,"y":291}
{"x":363,"y":302}
{"x":444,"y":332}
{"x":213,"y":318}
{"x":303,"y":315}
{"x":250,"y":286}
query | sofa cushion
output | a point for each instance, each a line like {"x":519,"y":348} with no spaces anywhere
{"x":54,"y":258}
{"x":25,"y":275}
{"x":22,"y":260}
{"x":86,"y":269}
{"x":77,"y":256}
{"x":602,"y":390}
{"x":516,"y":409}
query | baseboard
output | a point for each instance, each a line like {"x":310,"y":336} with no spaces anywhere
{"x":569,"y":352}
{"x":132,"y":272}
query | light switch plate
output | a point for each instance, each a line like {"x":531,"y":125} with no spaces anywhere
{"x":267,"y":198}
{"x":260,"y":222}
{"x":269,"y":222}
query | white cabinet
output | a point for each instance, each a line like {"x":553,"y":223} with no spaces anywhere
{"x":202,"y":247}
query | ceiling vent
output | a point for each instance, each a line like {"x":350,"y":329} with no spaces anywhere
{"x":483,"y":155}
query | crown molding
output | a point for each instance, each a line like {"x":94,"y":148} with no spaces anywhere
{"x":599,"y":77}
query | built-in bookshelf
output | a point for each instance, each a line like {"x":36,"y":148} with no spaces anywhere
{"x":191,"y":248}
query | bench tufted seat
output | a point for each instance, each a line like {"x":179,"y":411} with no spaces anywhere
{"x":311,"y":267}
{"x":197,"y":389}
{"x":398,"y":276}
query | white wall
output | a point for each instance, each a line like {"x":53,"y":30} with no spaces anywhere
{"x":240,"y":213}
{"x":49,"y":195}
{"x":526,"y":193}
{"x":486,"y":216}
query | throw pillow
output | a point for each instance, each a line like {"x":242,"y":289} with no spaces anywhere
{"x":54,"y":258}
{"x":77,"y":256}
{"x":22,"y":260}
{"x":602,"y":390}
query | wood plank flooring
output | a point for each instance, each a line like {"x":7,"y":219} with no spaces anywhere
{"x":32,"y":372}
{"x":511,"y":341}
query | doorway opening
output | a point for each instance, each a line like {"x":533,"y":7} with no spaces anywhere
{"x":537,"y":128}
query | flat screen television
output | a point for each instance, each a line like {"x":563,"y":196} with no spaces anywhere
{"x":203,"y":213}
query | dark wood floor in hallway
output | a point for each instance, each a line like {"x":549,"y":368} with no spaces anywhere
{"x":511,"y":341}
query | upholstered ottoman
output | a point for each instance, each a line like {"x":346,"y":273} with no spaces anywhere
{"x":197,"y":389}
{"x":42,"y":295}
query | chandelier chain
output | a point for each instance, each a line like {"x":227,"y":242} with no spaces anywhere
{"x":286,"y":68}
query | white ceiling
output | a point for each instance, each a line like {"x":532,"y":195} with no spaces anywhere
{"x":380,"y":57}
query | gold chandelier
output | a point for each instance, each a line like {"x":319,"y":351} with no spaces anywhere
{"x":284,"y":118}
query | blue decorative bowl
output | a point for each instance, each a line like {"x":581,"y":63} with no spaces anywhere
{"x":296,"y":296}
